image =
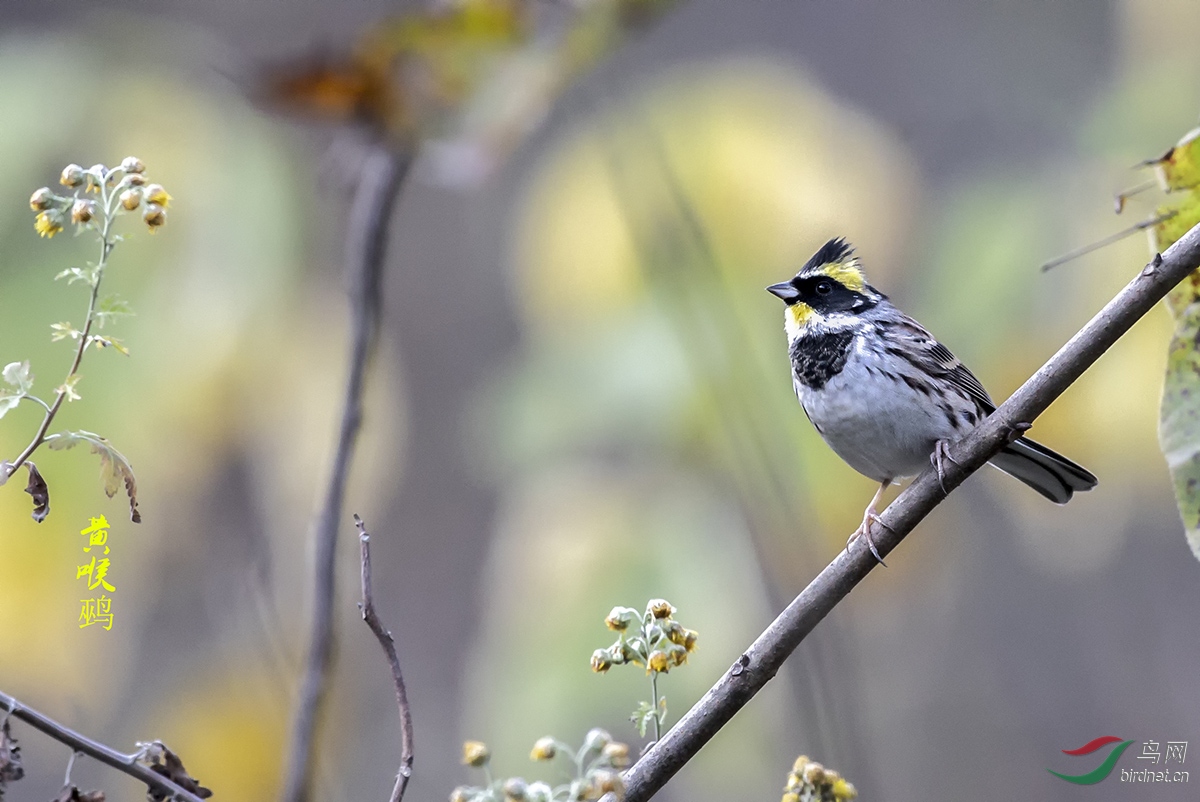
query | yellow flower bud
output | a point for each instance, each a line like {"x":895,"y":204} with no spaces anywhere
{"x":83,"y":211}
{"x":544,"y":749}
{"x":475,"y":754}
{"x":689,"y":640}
{"x":800,"y":764}
{"x":791,"y":796}
{"x":131,"y":199}
{"x":601,"y":661}
{"x":132,"y":164}
{"x":617,"y":754}
{"x":618,"y":620}
{"x":48,"y":223}
{"x":40,"y":200}
{"x":72,"y":176}
{"x":156,"y":194}
{"x":460,"y":794}
{"x":135,"y":179}
{"x":661,"y":608}
{"x":154,"y":216}
{"x":678,"y":654}
{"x":658,"y":661}
{"x":843,"y":791}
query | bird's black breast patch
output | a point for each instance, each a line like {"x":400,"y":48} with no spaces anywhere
{"x":816,"y":358}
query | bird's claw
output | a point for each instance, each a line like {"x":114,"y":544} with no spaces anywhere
{"x":941,"y":453}
{"x":864,"y":530}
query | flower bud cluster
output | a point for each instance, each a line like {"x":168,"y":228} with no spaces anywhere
{"x":597,"y":769}
{"x":653,"y":639}
{"x":809,"y":781}
{"x":121,"y":189}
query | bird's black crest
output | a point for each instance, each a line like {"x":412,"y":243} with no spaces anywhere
{"x":832,"y":252}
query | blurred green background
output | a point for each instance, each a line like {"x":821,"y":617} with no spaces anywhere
{"x":582,"y":399}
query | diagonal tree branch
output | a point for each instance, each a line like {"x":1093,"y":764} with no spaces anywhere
{"x":83,"y":745}
{"x":389,"y":648}
{"x":759,"y":663}
{"x":379,"y":182}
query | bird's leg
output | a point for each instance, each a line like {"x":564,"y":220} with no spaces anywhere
{"x":871,"y":516}
{"x":941,"y":454}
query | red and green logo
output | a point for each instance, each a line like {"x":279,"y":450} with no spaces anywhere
{"x":1101,"y":771}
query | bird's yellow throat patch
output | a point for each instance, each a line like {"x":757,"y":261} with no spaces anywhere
{"x":796,"y":317}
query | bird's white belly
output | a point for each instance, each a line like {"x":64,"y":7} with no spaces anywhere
{"x":880,"y":426}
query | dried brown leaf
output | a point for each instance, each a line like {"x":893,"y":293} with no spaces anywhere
{"x":71,"y":793}
{"x":11,"y":769}
{"x":163,"y":761}
{"x":40,"y":492}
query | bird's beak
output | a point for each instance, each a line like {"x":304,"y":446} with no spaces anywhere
{"x":785,"y":292}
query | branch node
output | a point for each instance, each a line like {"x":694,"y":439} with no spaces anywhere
{"x":1154,"y":264}
{"x":1014,"y":431}
{"x":740,"y":666}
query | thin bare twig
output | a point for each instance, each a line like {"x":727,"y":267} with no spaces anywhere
{"x":389,"y":648}
{"x":1106,"y":241}
{"x":379,"y":182}
{"x":759,"y":663}
{"x":83,"y":745}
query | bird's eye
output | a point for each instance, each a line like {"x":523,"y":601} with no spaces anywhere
{"x":824,"y":287}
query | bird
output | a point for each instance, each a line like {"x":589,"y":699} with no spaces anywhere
{"x":883,"y":393}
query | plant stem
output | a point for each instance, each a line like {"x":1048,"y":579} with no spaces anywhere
{"x":106,"y":246}
{"x":654,"y":701}
{"x":380,"y":180}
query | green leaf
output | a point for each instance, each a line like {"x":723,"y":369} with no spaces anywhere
{"x":67,"y":388}
{"x":1179,"y":421}
{"x":63,"y":331}
{"x":1179,"y":168}
{"x":1179,"y":415}
{"x":9,"y":401}
{"x":73,"y":274}
{"x":109,"y":308}
{"x":115,"y":470}
{"x":642,"y":717}
{"x":17,"y":374}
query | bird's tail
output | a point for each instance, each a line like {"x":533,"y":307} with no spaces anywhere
{"x":1053,"y":475}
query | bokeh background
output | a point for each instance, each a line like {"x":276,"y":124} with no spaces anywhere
{"x":581,"y":399}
